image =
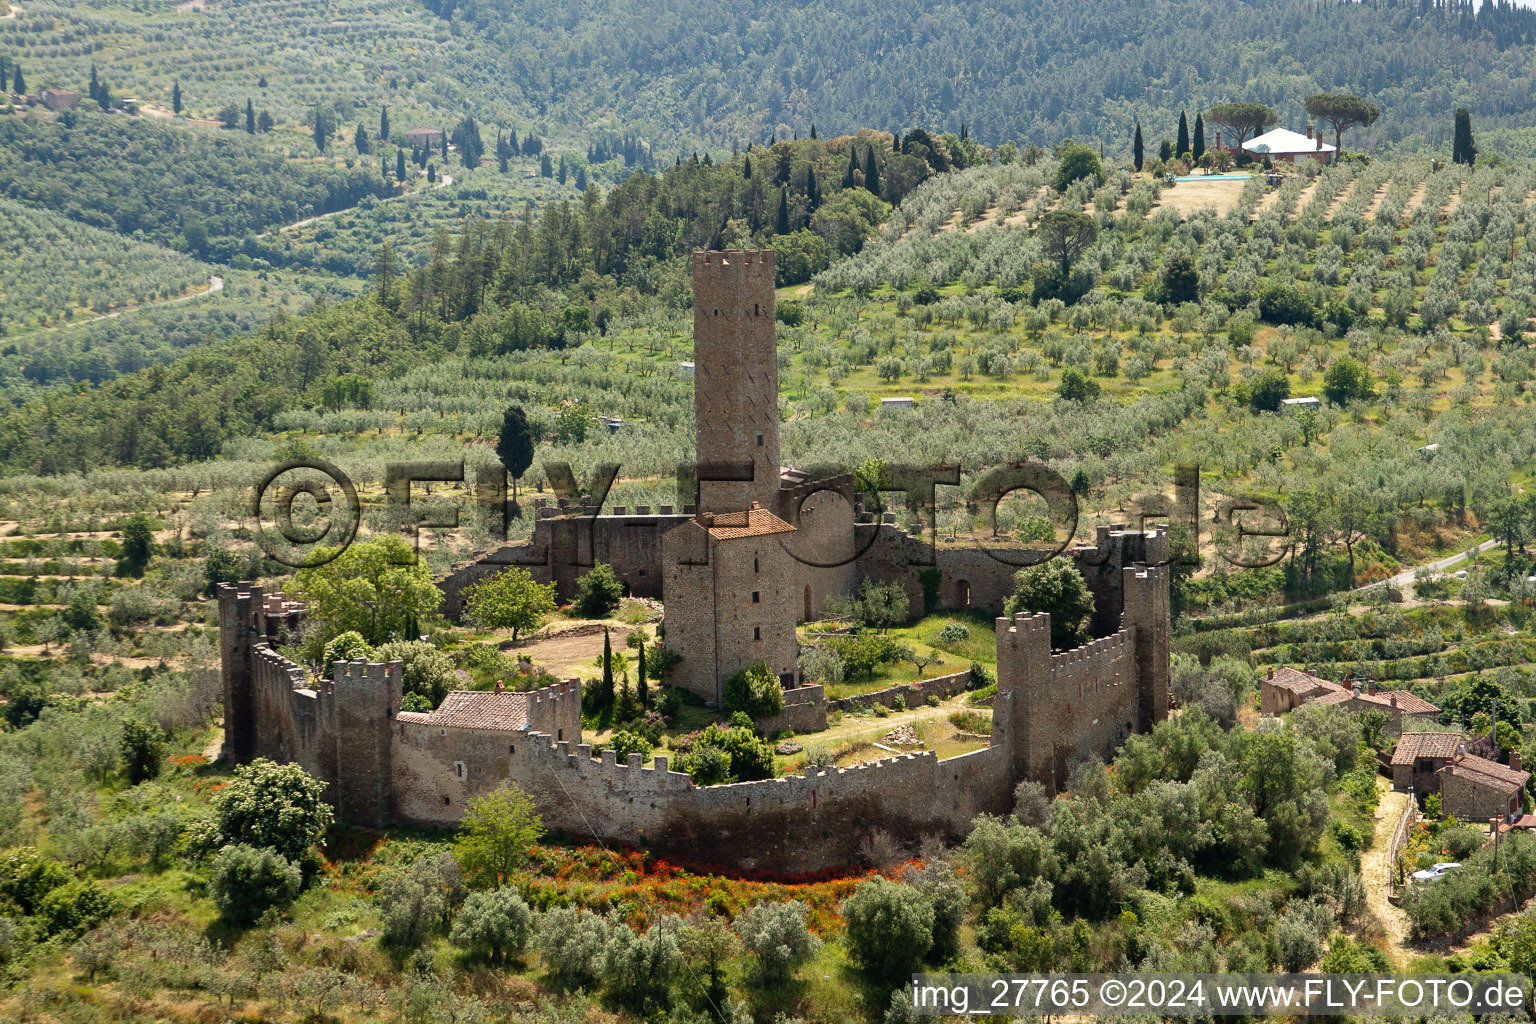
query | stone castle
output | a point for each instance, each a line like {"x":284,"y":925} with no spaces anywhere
{"x":763,"y":547}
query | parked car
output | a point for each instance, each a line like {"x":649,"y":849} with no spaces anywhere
{"x":1440,"y":870}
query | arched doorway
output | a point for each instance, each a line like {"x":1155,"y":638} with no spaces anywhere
{"x":807,"y":616}
{"x":962,"y":594}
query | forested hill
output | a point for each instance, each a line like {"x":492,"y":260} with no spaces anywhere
{"x":1025,"y":70}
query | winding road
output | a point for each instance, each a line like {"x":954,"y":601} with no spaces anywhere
{"x":11,"y":10}
{"x":1407,"y":576}
{"x":442,"y":182}
{"x":215,"y":284}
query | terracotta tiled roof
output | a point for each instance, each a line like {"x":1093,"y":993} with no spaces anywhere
{"x":754,"y":522}
{"x":1334,"y":697}
{"x":1299,"y":682}
{"x":1483,"y":772}
{"x":474,"y":709}
{"x":1407,"y":703}
{"x":1414,"y":745}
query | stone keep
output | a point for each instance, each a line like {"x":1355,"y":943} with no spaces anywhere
{"x":736,"y":379}
{"x":730,"y":598}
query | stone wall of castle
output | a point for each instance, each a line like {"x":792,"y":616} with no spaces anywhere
{"x":566,"y":544}
{"x":1067,"y":705}
{"x":384,"y":765}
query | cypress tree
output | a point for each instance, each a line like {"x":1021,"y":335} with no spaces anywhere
{"x":605,"y":695}
{"x":20,"y":83}
{"x":1463,"y":150}
{"x":176,"y":97}
{"x":384,"y":123}
{"x":445,"y":147}
{"x":1182,"y":146}
{"x":872,"y":174}
{"x":642,"y":690}
{"x":853,"y":165}
{"x":781,"y":226}
{"x":400,"y":164}
{"x":250,"y":120}
{"x":812,"y":193}
{"x":1138,"y":152}
{"x":746,"y":167}
{"x":94,"y":89}
{"x":1199,"y":140}
{"x":813,"y":130}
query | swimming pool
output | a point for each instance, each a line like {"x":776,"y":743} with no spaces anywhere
{"x":1212,"y":177}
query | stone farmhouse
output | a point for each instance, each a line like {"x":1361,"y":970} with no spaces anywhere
{"x":734,"y":583}
{"x":1470,"y":787}
{"x":1284,"y":689}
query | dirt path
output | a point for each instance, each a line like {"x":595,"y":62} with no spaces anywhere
{"x":1375,"y":871}
{"x":442,"y":182}
{"x":1415,"y":200}
{"x":215,"y":284}
{"x":1305,"y":199}
{"x":1340,"y":199}
{"x":1453,"y":204}
{"x":11,"y":11}
{"x":1377,"y":200}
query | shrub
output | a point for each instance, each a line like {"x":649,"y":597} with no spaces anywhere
{"x":495,"y":924}
{"x":954,"y":633}
{"x":248,"y":881}
{"x":142,"y":746}
{"x":1300,"y":934}
{"x":821,"y":665}
{"x":571,"y":945}
{"x":349,"y":646}
{"x":598,"y":592}
{"x":626,"y":743}
{"x":416,"y":900}
{"x":499,"y":829}
{"x":977,"y":677}
{"x":1058,"y":588}
{"x":75,"y":907}
{"x":26,"y":876}
{"x":425,"y":671}
{"x":754,"y":690}
{"x":1285,"y":304}
{"x":1268,"y":390}
{"x":273,"y":806}
{"x":639,"y":968}
{"x":890,"y":927}
{"x":777,"y":936}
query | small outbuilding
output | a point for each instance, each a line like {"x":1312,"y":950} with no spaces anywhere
{"x":59,"y":99}
{"x":897,"y":405}
{"x":421,"y":138}
{"x":1305,"y":402}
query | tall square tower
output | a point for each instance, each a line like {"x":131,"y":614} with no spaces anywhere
{"x":735,"y":379}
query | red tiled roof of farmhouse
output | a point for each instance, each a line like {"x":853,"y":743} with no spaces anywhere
{"x":754,"y":522}
{"x":473,"y":709}
{"x":1299,"y":682}
{"x":1338,"y":696}
{"x":1414,"y":745}
{"x":1487,"y":773}
{"x":1407,"y":703}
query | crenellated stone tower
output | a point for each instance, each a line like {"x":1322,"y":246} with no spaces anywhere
{"x":736,"y":379}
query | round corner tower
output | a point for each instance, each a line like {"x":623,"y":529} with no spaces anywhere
{"x":736,"y":379}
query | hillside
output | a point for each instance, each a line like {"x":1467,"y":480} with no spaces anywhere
{"x":1012,"y":69}
{"x":686,"y":74}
